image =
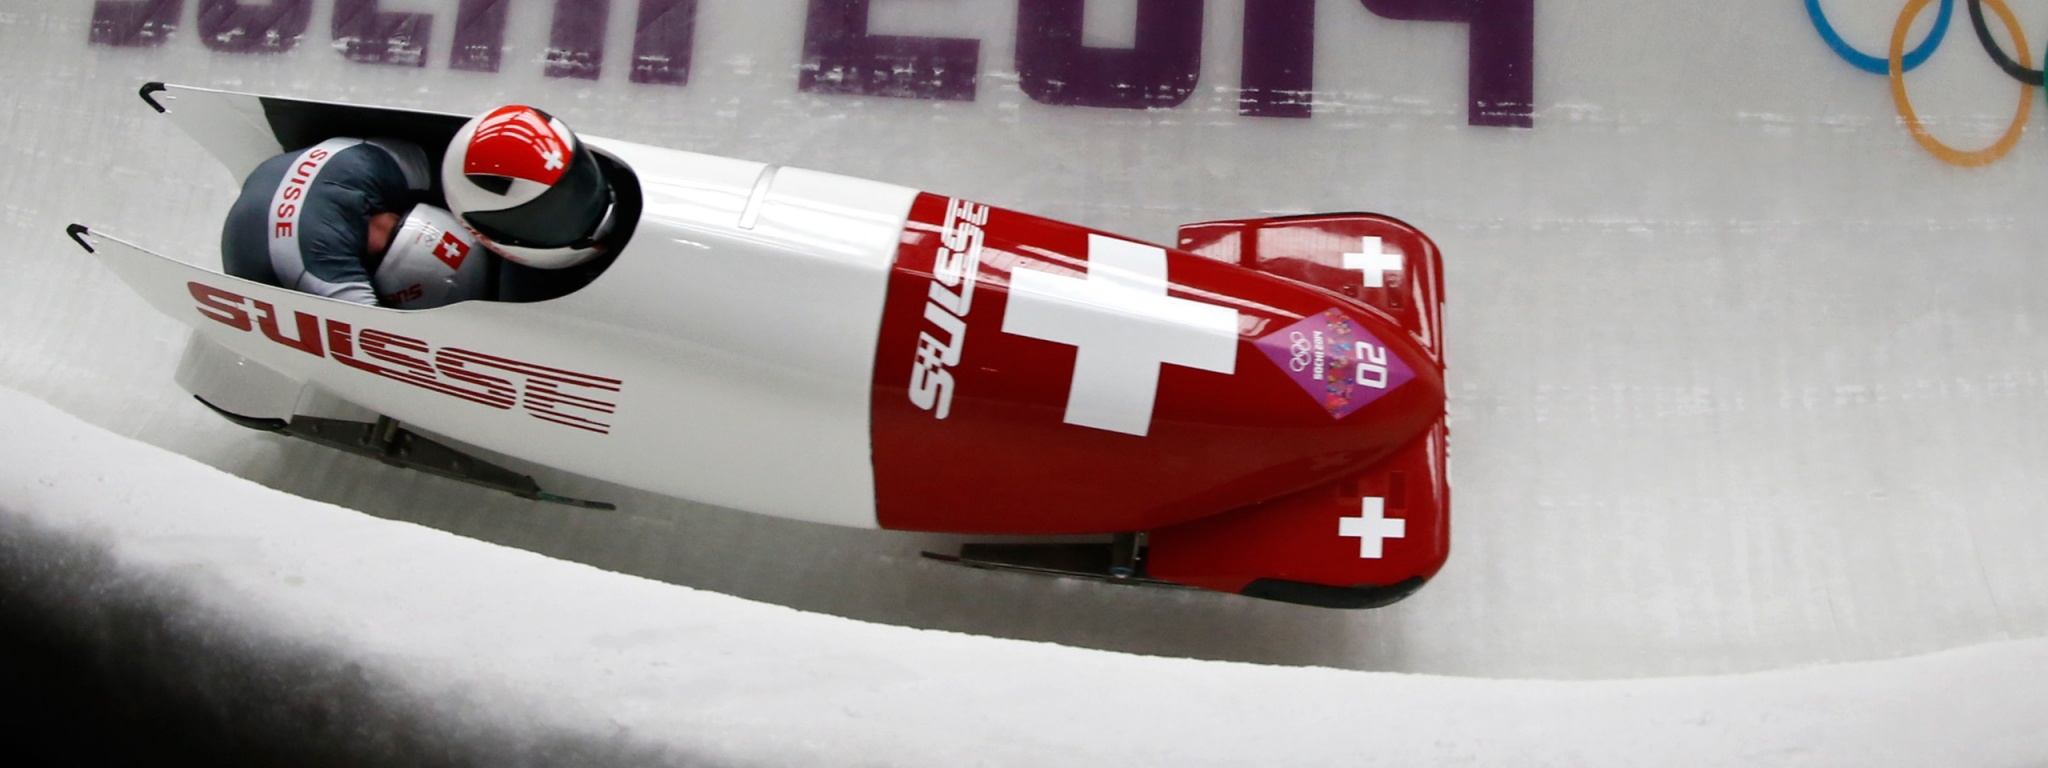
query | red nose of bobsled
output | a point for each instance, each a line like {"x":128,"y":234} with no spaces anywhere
{"x":1036,"y":377}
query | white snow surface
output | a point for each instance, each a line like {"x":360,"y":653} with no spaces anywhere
{"x":1741,"y":378}
{"x":503,"y":639}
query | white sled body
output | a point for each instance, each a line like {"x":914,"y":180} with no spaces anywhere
{"x":732,"y":341}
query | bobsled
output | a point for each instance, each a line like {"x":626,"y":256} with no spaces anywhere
{"x":1257,"y":409}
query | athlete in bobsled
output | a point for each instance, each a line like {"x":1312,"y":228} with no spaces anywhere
{"x":355,"y":219}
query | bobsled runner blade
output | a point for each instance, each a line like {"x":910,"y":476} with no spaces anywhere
{"x":1115,"y":562}
{"x":397,"y":446}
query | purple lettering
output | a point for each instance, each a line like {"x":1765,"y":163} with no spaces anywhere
{"x":1501,"y":88}
{"x":662,"y":40}
{"x":236,"y":27}
{"x":134,"y":23}
{"x":576,"y":49}
{"x":841,"y":57}
{"x":376,"y":37}
{"x":1158,"y":72}
{"x":1279,"y":58}
{"x":1160,"y":69}
{"x":479,"y":35}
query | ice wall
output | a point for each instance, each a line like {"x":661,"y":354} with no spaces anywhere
{"x":314,"y":635}
{"x":1743,"y":377}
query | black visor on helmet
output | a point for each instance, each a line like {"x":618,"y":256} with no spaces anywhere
{"x":566,"y":215}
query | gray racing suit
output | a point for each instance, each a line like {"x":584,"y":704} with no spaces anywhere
{"x":303,"y":217}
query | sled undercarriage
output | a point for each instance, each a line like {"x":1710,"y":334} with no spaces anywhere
{"x":1118,"y":561}
{"x":387,"y":441}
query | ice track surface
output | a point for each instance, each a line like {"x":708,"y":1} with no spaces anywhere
{"x":319,"y":636}
{"x":1742,"y":378}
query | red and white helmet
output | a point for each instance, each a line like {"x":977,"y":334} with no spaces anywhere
{"x":432,"y":262}
{"x":523,"y":183}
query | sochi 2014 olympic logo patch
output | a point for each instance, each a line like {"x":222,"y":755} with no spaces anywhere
{"x":1342,"y":365}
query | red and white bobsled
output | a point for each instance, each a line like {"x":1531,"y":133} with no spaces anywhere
{"x":1259,"y":410}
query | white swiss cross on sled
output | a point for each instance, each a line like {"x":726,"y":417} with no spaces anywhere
{"x":1372,"y":528}
{"x":1373,"y":259}
{"x":1123,"y":327}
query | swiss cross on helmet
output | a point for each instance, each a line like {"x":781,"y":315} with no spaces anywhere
{"x":528,"y":188}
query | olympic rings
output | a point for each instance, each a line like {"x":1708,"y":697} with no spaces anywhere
{"x":2018,"y":71}
{"x":1897,"y":72}
{"x":1899,"y":61}
{"x":1298,"y":346}
{"x":1873,"y":64}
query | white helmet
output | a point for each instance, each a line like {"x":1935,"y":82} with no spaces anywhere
{"x":432,"y":262}
{"x":524,"y":185}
